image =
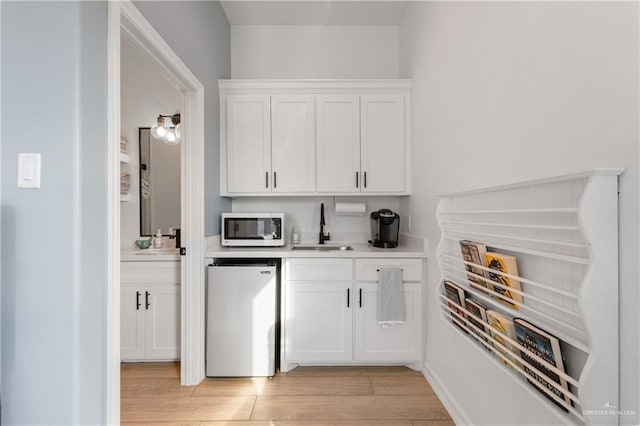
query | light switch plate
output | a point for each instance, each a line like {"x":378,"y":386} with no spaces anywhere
{"x":29,"y":170}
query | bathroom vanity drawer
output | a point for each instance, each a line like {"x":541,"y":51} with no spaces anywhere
{"x":319,"y":269}
{"x":367,"y":269}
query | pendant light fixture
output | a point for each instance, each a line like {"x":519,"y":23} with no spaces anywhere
{"x":167,"y":129}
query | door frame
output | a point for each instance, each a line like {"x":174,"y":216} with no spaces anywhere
{"x":125,"y":22}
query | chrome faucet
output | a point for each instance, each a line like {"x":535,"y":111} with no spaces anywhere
{"x":323,"y":237}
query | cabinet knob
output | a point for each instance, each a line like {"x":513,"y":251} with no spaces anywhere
{"x":266,"y":179}
{"x":137,"y":300}
{"x":357,"y":173}
{"x":275,"y":181}
{"x":146,"y":300}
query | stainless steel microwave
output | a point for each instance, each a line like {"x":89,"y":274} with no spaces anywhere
{"x":252,"y":229}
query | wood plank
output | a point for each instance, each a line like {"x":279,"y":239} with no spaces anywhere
{"x":160,"y":388}
{"x":188,"y":409}
{"x":360,"y":371}
{"x":291,"y":423}
{"x":410,"y":407}
{"x":405,"y":385}
{"x":348,"y":408}
{"x":314,"y":408}
{"x":432,"y":423}
{"x":150,"y":370}
{"x":284,"y":385}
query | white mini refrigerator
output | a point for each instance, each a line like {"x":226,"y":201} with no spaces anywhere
{"x":241,"y":318}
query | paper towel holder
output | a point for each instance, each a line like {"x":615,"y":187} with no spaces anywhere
{"x":349,"y":208}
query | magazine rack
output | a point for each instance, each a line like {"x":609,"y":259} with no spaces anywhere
{"x":564,"y":235}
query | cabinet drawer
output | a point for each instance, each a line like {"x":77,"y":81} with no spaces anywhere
{"x":319,"y":270}
{"x":150,"y":272}
{"x":367,"y":269}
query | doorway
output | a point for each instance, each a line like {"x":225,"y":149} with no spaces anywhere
{"x":127,"y":23}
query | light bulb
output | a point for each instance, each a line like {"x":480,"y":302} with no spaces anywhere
{"x":158,"y":131}
{"x":179,"y":131}
{"x":170,"y":138}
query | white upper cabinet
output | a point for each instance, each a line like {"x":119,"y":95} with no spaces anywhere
{"x":383,"y":151}
{"x":338,"y":129}
{"x":310,"y":137}
{"x":293,"y":143}
{"x":248,"y":147}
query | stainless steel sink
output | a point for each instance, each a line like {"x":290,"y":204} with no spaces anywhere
{"x":322,"y":248}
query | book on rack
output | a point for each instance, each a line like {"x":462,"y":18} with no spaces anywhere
{"x":475,"y":253}
{"x":506,"y":264}
{"x":455,"y":293}
{"x":547,"y":347}
{"x":479,"y":311}
{"x":503,"y":324}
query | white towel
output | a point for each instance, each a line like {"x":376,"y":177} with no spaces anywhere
{"x":390,"y":297}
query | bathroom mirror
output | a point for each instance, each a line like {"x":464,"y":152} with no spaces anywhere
{"x":159,"y":184}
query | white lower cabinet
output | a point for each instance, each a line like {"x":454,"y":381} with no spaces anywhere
{"x":400,"y":342}
{"x":320,"y":322}
{"x":150,"y":311}
{"x":330,"y":317}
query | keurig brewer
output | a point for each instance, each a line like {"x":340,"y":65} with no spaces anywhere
{"x":385,"y":226}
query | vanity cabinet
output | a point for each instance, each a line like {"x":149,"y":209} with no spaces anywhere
{"x":330,"y":313}
{"x":361,"y":144}
{"x":150,"y":311}
{"x":312,"y":137}
{"x":270,"y":143}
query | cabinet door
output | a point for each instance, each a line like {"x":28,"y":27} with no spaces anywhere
{"x":131,"y":323}
{"x":338,"y":130}
{"x":162,"y":323}
{"x":397,"y":343}
{"x":293,"y":143}
{"x":318,"y":321}
{"x":383,"y":143}
{"x":248,"y":143}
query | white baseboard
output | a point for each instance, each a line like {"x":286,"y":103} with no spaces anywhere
{"x":456,"y":412}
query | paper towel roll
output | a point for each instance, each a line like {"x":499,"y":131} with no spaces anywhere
{"x":350,"y":209}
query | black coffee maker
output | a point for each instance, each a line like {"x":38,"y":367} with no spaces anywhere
{"x":385,"y":226}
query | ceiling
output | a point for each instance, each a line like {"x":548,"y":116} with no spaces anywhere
{"x":310,"y":12}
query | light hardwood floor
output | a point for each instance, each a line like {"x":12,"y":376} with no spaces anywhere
{"x":320,"y":396}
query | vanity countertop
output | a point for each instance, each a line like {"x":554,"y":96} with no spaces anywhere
{"x":150,"y":255}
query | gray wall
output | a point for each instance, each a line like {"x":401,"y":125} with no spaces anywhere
{"x":54,"y":238}
{"x":512,"y":91}
{"x":53,"y":255}
{"x":198,"y":32}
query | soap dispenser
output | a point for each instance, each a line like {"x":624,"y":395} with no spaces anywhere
{"x":157,"y":240}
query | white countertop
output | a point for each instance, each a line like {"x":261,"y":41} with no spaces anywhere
{"x":404,"y":250}
{"x":409,"y":247}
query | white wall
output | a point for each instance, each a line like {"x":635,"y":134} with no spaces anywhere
{"x":145,"y":93}
{"x":314,"y":51}
{"x":304,"y":212}
{"x":511,"y":91}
